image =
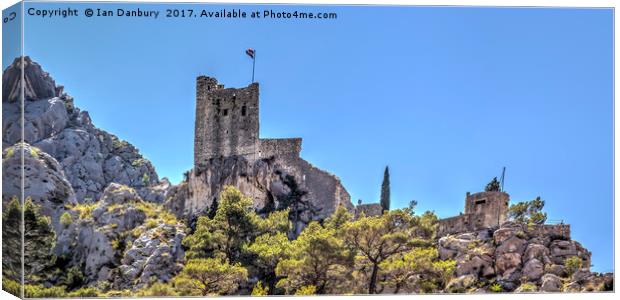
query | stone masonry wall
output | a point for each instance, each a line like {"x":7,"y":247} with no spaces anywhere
{"x":226,"y":121}
{"x":280,"y":147}
{"x":493,"y":206}
{"x":553,"y":230}
{"x":458,"y":224}
{"x":482,"y":210}
{"x":369,"y":209}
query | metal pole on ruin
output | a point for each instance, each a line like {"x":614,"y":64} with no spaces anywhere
{"x":253,"y":64}
{"x":502,"y":179}
{"x":252,"y":54}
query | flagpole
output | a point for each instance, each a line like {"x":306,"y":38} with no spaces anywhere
{"x":253,"y":65}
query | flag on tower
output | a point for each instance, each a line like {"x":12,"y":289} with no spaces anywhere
{"x":250,"y":52}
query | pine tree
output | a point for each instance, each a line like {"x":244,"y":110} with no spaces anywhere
{"x":210,"y":277}
{"x":11,"y":240}
{"x":493,"y":186}
{"x":39,"y":240}
{"x":385,"y":190}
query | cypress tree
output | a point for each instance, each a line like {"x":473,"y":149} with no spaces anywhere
{"x":385,"y":190}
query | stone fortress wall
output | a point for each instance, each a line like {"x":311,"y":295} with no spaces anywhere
{"x":487,"y":210}
{"x":553,"y":230}
{"x":368,"y":209}
{"x":280,"y":147}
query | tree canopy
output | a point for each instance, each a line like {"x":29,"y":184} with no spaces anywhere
{"x":528,"y":212}
{"x":493,"y":186}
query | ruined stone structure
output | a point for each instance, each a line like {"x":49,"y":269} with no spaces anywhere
{"x":368,"y":209}
{"x":486,"y":210}
{"x":229,"y":151}
{"x":482,"y":210}
{"x":227,"y":124}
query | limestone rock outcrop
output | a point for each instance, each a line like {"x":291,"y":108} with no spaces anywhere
{"x":123,"y":239}
{"x":151,"y":259}
{"x":89,"y":157}
{"x":96,"y":182}
{"x":271,"y":183}
{"x":520,"y":260}
{"x":44,"y":181}
{"x":38,"y":84}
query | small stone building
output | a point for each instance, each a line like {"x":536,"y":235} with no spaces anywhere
{"x":482,"y":210}
{"x":487,"y":210}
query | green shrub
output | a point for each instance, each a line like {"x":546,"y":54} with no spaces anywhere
{"x":66,"y":219}
{"x":118,"y":293}
{"x":113,"y":207}
{"x":151,"y":223}
{"x":74,"y":278}
{"x":85,"y":210}
{"x":496,"y":288}
{"x":118,"y":143}
{"x":136,"y":232}
{"x":84,"y":292}
{"x":10,"y":152}
{"x":472,"y":245}
{"x":572,"y":264}
{"x":11,"y":286}
{"x":158,"y":290}
{"x":138,"y":162}
{"x":259,"y":290}
{"x":527,"y":287}
{"x":306,"y":290}
{"x":115,"y":244}
{"x":39,"y":291}
{"x":155,"y":211}
{"x":34,"y":152}
{"x":146,"y":179}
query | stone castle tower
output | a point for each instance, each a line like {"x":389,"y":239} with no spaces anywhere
{"x":226,"y":121}
{"x":227,"y":124}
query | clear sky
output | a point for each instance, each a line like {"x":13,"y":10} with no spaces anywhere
{"x":445,"y":96}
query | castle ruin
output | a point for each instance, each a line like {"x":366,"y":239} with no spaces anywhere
{"x":227,"y":124}
{"x":486,"y":210}
{"x":229,"y":151}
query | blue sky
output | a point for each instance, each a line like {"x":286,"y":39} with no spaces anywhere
{"x":446,"y":96}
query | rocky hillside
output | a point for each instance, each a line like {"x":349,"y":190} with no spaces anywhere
{"x":90,"y":158}
{"x":118,"y":231}
{"x":100,"y":194}
{"x":512,"y":259}
{"x":116,"y":228}
{"x":274,"y":183}
{"x":122,"y":240}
